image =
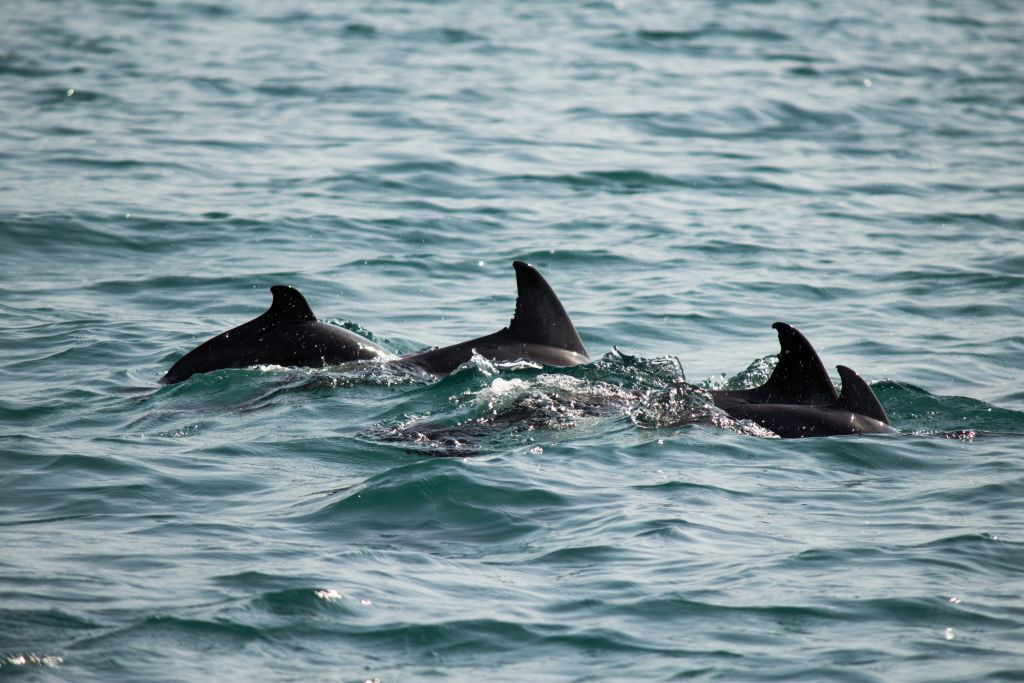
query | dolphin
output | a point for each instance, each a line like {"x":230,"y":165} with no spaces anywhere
{"x":855,"y":411}
{"x":799,"y":377}
{"x":540,"y":331}
{"x":286,"y":334}
{"x":800,"y":400}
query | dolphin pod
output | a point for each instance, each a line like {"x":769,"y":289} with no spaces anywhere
{"x":798,"y":399}
{"x":289,"y":334}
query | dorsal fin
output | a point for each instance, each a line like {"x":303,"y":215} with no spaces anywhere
{"x":540,"y":317}
{"x":799,"y":376}
{"x":857,"y":396}
{"x":288,"y":304}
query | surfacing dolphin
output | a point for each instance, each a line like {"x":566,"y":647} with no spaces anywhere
{"x":286,"y":334}
{"x":799,"y":376}
{"x":856,"y":411}
{"x":540,"y":331}
{"x":799,"y":399}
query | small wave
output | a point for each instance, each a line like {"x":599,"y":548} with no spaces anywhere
{"x":307,"y":602}
{"x":708,"y":38}
{"x":30,"y":659}
{"x":916,"y":410}
{"x":216,"y":635}
{"x":446,"y":34}
{"x":440,"y":502}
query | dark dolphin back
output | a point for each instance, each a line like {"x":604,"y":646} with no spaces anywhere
{"x":540,"y":331}
{"x":798,"y":378}
{"x":857,"y":396}
{"x":241,"y":346}
{"x":287,"y":333}
{"x":540,"y":317}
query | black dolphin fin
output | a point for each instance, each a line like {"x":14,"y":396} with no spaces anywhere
{"x":799,"y":376}
{"x":857,"y":396}
{"x":288,"y":304}
{"x":540,"y":317}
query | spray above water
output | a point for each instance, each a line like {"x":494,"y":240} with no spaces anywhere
{"x":515,"y":403}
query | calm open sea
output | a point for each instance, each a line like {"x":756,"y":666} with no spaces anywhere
{"x":683,"y":173}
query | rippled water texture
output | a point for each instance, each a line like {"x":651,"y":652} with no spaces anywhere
{"x":684,"y":174}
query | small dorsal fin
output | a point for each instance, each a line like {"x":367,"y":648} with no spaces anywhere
{"x":799,"y":376}
{"x":288,"y":304}
{"x":857,"y":396}
{"x":540,"y":317}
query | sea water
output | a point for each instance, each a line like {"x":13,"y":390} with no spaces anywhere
{"x":683,"y":173}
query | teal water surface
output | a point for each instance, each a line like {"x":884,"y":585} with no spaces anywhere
{"x":684,"y":174}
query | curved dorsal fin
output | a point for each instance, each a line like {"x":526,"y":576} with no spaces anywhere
{"x":799,"y":376}
{"x":540,"y":317}
{"x":288,"y":304}
{"x":857,"y":396}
